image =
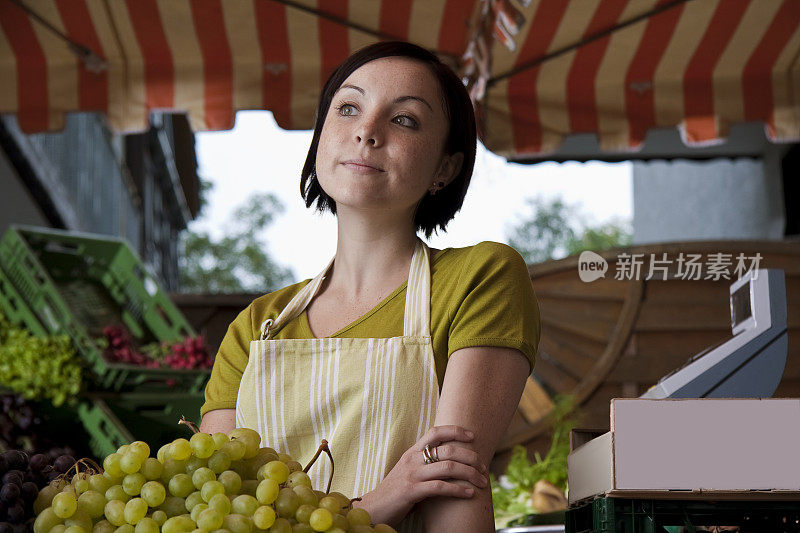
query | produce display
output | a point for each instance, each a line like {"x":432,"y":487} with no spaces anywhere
{"x":21,"y":478}
{"x":25,"y":370}
{"x":191,"y":353}
{"x":539,"y":486}
{"x":222,"y":483}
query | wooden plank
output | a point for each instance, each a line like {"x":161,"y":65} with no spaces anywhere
{"x":566,"y":294}
{"x":581,"y":310}
{"x":585,"y":347}
{"x":578,"y":362}
{"x":551,"y":376}
{"x":788,"y":388}
{"x":657,"y":354}
{"x":517,"y":425}
{"x":595,"y":412}
{"x":700,"y":291}
{"x":792,"y":369}
{"x":557,"y":322}
{"x":535,"y":403}
{"x":775,"y":254}
{"x":793,"y":302}
{"x":790,"y":264}
{"x":569,"y":282}
{"x":647,"y":369}
{"x":685,"y":316}
{"x":657,"y":344}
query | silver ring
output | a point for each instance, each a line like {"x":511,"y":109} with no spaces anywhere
{"x":431,"y":454}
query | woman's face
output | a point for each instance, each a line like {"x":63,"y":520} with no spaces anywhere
{"x":382,"y":143}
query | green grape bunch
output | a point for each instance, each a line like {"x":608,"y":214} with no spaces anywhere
{"x":222,"y":483}
{"x":38,"y":368}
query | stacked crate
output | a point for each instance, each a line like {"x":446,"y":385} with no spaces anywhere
{"x":614,"y":515}
{"x":65,"y":283}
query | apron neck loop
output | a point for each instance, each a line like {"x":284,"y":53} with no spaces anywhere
{"x":295,"y":307}
{"x":416,"y":320}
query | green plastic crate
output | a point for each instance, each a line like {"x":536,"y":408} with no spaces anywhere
{"x":149,"y":417}
{"x":106,"y":432}
{"x":15,"y":310}
{"x":75,"y":284}
{"x":111,"y":420}
{"x":621,"y":515}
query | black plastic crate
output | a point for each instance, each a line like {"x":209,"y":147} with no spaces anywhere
{"x":619,"y":515}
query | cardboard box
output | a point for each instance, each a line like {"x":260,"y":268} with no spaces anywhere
{"x":690,"y":448}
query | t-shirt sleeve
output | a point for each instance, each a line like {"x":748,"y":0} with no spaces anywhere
{"x":223,"y":386}
{"x":497,"y":305}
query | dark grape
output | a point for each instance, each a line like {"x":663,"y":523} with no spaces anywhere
{"x":37,"y":462}
{"x":64,"y":463}
{"x":21,"y":528}
{"x":16,"y":513}
{"x":29,"y":491}
{"x":13,"y":477}
{"x":5,"y":527}
{"x":16,"y":459}
{"x":3,"y":462}
{"x":9,"y":493}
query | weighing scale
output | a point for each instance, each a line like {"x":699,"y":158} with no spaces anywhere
{"x":748,"y":365}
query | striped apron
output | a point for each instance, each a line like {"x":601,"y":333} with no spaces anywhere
{"x":371,"y":399}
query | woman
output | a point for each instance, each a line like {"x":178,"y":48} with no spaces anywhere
{"x":409,"y":361}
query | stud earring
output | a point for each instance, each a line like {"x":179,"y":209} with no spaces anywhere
{"x":436,"y":187}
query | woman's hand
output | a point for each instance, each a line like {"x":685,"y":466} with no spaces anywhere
{"x":411,"y":480}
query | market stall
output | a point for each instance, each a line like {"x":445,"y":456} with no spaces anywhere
{"x":539,"y":72}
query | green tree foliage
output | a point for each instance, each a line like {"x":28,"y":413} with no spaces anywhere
{"x":554,"y":229}
{"x":238,"y":261}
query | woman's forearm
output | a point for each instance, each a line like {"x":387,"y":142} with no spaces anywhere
{"x":219,"y":420}
{"x":453,"y":514}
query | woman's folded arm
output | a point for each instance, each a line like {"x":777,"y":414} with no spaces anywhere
{"x":481,"y":390}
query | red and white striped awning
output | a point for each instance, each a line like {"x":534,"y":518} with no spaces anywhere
{"x":541,"y":70}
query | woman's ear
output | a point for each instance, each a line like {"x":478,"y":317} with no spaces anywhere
{"x":450,"y":167}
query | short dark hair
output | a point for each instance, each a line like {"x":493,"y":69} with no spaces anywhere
{"x":433,"y":211}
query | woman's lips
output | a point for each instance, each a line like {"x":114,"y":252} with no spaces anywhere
{"x":362,"y":167}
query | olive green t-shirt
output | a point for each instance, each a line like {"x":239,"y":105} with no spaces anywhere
{"x":480,"y":296}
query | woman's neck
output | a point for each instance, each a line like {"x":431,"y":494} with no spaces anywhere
{"x":371,"y":254}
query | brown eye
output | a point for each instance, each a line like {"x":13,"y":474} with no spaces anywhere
{"x":404,"y":120}
{"x":347,"y":110}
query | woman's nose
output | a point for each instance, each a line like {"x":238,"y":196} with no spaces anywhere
{"x":369,"y":133}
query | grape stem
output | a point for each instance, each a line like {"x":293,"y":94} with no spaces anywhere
{"x":323,"y":447}
{"x":91,"y":467}
{"x":191,"y":425}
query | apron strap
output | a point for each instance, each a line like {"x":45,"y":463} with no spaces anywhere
{"x":296,"y":306}
{"x":417,"y":317}
{"x":416,"y":321}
